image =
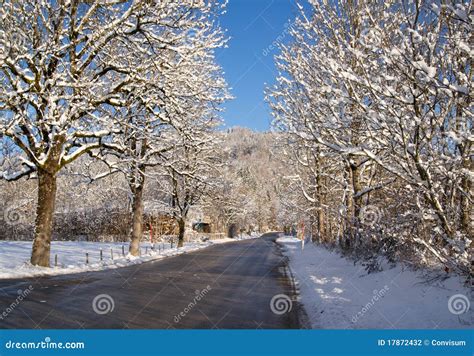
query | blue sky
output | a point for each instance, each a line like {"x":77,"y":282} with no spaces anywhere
{"x":253,"y":26}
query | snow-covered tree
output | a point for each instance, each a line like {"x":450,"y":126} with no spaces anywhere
{"x":67,"y":68}
{"x":245,"y":196}
{"x":189,"y":169}
{"x":185,"y":86}
{"x":386,"y":87}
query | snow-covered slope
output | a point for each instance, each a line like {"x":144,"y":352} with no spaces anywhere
{"x":15,"y":255}
{"x":338,"y":294}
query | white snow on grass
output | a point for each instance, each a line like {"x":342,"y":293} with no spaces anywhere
{"x":15,"y":256}
{"x":339,"y":294}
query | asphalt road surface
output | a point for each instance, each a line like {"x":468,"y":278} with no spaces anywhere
{"x":242,"y":284}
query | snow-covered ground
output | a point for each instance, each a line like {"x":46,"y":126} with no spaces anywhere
{"x":71,"y":256}
{"x":338,"y":294}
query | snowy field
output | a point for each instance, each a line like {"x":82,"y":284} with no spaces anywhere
{"x":338,"y":294}
{"x":15,"y":255}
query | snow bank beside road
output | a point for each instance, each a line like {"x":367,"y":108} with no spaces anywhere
{"x":338,"y":294}
{"x":15,"y":255}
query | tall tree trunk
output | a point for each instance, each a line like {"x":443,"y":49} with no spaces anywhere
{"x":354,"y":18}
{"x":320,"y":201}
{"x":356,"y":188}
{"x":347,"y":236}
{"x":137,"y":220}
{"x":313,"y":229}
{"x":47,"y":187}
{"x":181,"y":231}
{"x":466,"y":196}
{"x":433,"y":200}
{"x":321,"y":225}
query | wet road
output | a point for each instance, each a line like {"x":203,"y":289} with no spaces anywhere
{"x":224,"y":286}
